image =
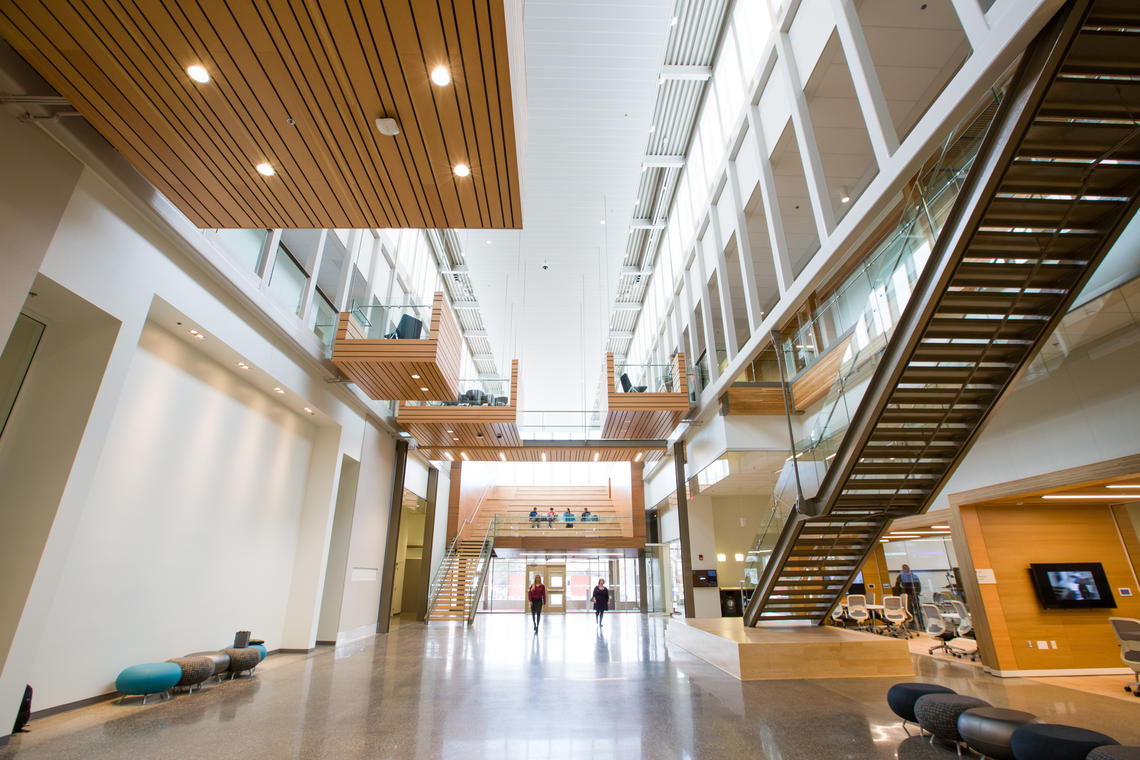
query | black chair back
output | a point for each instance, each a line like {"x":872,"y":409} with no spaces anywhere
{"x":626,"y":385}
{"x":409,"y":327}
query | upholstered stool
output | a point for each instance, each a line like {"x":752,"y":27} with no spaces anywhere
{"x":986,"y":730}
{"x":938,"y":714}
{"x":260,"y":648}
{"x":902,"y":696}
{"x":242,"y":659}
{"x":195,"y":670}
{"x":1052,"y":741}
{"x":151,"y":678}
{"x":1115,"y":752}
{"x":221,"y":661}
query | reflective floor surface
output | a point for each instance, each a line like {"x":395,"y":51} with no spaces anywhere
{"x":496,"y":690}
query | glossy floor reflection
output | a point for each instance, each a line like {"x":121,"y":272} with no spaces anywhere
{"x":495,"y":690}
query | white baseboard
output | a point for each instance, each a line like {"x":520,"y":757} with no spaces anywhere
{"x":1060,"y":672}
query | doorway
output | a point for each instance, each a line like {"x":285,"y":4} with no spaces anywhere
{"x":554,"y":576}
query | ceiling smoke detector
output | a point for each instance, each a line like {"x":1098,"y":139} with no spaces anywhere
{"x":387,"y":127}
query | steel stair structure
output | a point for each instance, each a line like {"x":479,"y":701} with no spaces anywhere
{"x":451,"y":595}
{"x":1054,"y":182}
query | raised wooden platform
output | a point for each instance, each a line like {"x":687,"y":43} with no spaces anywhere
{"x":772,"y":653}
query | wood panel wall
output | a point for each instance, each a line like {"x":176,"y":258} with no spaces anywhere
{"x":812,"y":384}
{"x":754,"y":398}
{"x":298,"y":86}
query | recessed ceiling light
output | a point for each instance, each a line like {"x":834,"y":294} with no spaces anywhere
{"x":464,"y":455}
{"x":846,"y":197}
{"x":673,"y":21}
{"x":739,"y":557}
{"x":277,"y":390}
{"x":415,"y":377}
{"x":1083,"y":496}
{"x":721,"y":557}
{"x":198,"y":73}
{"x":455,"y":439}
{"x":441,"y":76}
{"x":424,"y":390}
{"x":307,"y":409}
{"x":462,"y":170}
{"x":502,"y":456}
{"x":638,"y":457}
{"x":601,"y":221}
{"x":543,"y":456}
{"x":488,"y":242}
{"x":447,"y":455}
{"x":451,"y":431}
{"x":265,"y":170}
{"x":1124,"y":485}
{"x":597,"y":455}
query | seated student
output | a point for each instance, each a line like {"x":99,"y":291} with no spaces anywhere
{"x":586,"y":516}
{"x":551,"y":516}
{"x":533,"y":517}
{"x":568,"y":518}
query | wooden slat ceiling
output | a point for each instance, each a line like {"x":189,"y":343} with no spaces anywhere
{"x":297,"y":84}
{"x":552,"y":453}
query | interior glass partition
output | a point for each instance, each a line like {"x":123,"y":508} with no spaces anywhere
{"x":557,"y":425}
{"x":507,"y":583}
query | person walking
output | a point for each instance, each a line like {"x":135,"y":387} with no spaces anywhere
{"x":601,"y":597}
{"x":908,"y":583}
{"x":537,"y":595}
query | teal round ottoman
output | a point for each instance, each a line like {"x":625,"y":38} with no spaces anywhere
{"x":151,"y":678}
{"x":261,"y":648}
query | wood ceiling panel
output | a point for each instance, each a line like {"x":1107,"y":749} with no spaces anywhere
{"x":535,"y":453}
{"x":298,"y":85}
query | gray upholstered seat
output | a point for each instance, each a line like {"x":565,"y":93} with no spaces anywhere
{"x":242,"y":660}
{"x":938,"y":714}
{"x":221,"y":660}
{"x":987,"y":730}
{"x":1054,"y":741}
{"x":1115,"y":752}
{"x":195,"y":670}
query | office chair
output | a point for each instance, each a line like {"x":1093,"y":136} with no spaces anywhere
{"x":629,"y":387}
{"x":1127,"y":632}
{"x":965,"y":622}
{"x":937,"y":628}
{"x":837,"y":616}
{"x":894,"y":612}
{"x":857,"y":610}
{"x":409,"y":328}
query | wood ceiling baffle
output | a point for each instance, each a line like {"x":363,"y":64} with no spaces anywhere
{"x":298,"y":86}
{"x":649,"y":415}
{"x":383,"y":368}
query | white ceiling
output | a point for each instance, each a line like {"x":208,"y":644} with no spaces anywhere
{"x":591,"y":71}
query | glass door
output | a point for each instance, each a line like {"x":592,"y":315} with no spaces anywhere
{"x":555,"y":588}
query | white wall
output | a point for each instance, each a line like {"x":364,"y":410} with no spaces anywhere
{"x":186,"y":533}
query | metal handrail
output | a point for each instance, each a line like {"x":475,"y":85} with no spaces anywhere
{"x":476,"y":591}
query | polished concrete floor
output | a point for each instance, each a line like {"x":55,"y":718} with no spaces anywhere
{"x":498,"y":691}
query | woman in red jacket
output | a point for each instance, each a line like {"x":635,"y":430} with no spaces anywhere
{"x":537,"y":595}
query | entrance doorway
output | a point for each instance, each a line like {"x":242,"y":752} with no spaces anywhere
{"x":554,"y":577}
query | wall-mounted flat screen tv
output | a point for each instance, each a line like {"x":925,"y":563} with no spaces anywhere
{"x":1071,"y":585}
{"x":704,"y":578}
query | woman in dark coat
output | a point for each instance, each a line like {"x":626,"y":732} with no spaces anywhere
{"x":601,"y":599}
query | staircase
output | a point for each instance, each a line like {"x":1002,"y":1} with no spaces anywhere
{"x":452,"y":598}
{"x":1052,"y":184}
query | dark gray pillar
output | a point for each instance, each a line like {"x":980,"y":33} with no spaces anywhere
{"x":683,"y":527}
{"x":642,"y":585}
{"x":429,"y":537}
{"x":392,"y":544}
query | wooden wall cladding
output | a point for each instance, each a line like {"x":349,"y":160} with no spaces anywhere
{"x":299,"y":86}
{"x":754,"y":398}
{"x":383,"y":369}
{"x":553,"y":453}
{"x":1008,"y":539}
{"x":645,"y":416}
{"x":813,"y":383}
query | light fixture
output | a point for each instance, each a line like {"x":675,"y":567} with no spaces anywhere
{"x":1124,"y":485}
{"x":543,"y":455}
{"x":277,"y":390}
{"x":451,"y":431}
{"x":265,"y":170}
{"x":197,"y":335}
{"x":846,"y":197}
{"x":462,"y":170}
{"x":1083,"y":496}
{"x":198,"y":73}
{"x":673,"y":21}
{"x":307,"y":409}
{"x":597,"y":455}
{"x":243,"y":365}
{"x":721,"y":557}
{"x":447,"y":455}
{"x":941,"y":527}
{"x":464,"y":455}
{"x":424,"y":390}
{"x":387,"y":127}
{"x":488,"y":242}
{"x":601,"y":221}
{"x":738,"y":557}
{"x":455,"y":439}
{"x":502,"y":457}
{"x":637,"y":458}
{"x":441,"y":76}
{"x":415,"y":377}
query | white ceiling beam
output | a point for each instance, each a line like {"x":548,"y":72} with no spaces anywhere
{"x":663,"y":162}
{"x":646,"y":224}
{"x":474,"y":334}
{"x":627,"y":307}
{"x":637,"y":270}
{"x":687,"y":73}
{"x":621,"y":335}
{"x":465,"y":304}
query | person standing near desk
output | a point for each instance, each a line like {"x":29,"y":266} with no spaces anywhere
{"x":909,"y":584}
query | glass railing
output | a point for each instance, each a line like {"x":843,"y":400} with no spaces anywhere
{"x":404,"y":322}
{"x":645,"y":378}
{"x":577,"y":523}
{"x":538,"y":425}
{"x":485,"y":391}
{"x":765,"y":368}
{"x":475,"y":590}
{"x":864,"y":313}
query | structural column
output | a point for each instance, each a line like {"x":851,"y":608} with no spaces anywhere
{"x":392,"y":542}
{"x":428,"y":542}
{"x":683,"y":527}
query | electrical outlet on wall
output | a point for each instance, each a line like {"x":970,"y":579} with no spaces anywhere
{"x":1052,"y":644}
{"x":1042,"y":644}
{"x":1029,"y":642}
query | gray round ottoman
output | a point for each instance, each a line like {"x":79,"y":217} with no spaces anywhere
{"x":195,"y":670}
{"x":221,"y":661}
{"x":938,"y":714}
{"x":1054,"y":741}
{"x":242,"y":659}
{"x":1115,"y":752}
{"x":902,"y":696}
{"x":987,"y":730}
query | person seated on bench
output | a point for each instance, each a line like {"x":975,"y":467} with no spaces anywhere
{"x":551,"y":516}
{"x":568,"y":518}
{"x":533,"y":517}
{"x":586,"y":516}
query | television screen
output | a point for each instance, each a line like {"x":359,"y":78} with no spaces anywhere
{"x":704,"y":578}
{"x":1071,"y":585}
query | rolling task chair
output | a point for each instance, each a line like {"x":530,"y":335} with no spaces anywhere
{"x":1127,"y":632}
{"x":857,"y":609}
{"x":894,"y":612}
